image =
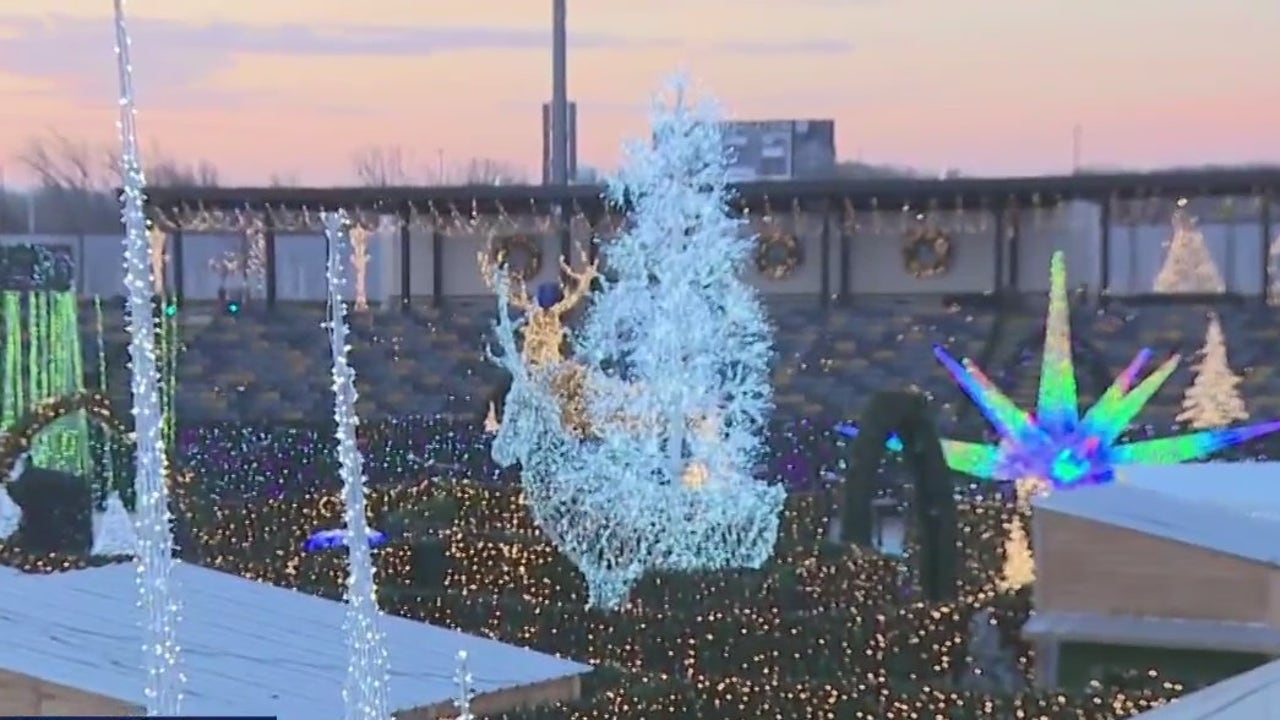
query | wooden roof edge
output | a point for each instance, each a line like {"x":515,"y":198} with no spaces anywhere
{"x":863,"y":194}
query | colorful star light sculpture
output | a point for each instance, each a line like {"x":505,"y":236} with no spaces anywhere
{"x":1056,"y":445}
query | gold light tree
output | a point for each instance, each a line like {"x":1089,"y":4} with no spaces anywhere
{"x":1019,"y":562}
{"x":1188,"y":266}
{"x":360,"y":263}
{"x":1273,"y":259}
{"x":545,"y":335}
{"x":157,"y":240}
{"x":253,"y":264}
{"x":1213,"y":400}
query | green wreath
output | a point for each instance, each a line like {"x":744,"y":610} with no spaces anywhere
{"x":926,"y":253}
{"x":19,"y":437}
{"x":778,"y":255}
{"x":521,"y":255}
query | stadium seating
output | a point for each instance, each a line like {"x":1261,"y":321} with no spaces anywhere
{"x":273,"y":367}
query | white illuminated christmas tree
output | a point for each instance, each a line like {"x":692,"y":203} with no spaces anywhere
{"x":676,"y":349}
{"x":1213,"y":400}
{"x":1188,"y":266}
{"x":116,"y":535}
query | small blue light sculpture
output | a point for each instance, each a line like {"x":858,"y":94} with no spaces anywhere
{"x":322,"y":540}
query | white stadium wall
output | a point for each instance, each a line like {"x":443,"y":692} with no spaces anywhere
{"x":875,"y":259}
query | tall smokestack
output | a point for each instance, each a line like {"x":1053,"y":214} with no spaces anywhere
{"x":559,"y":94}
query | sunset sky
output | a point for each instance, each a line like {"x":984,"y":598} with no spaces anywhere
{"x":296,"y":87}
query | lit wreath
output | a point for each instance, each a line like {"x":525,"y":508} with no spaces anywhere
{"x":20,"y":436}
{"x":778,"y":255}
{"x":926,"y":253}
{"x":520,"y":254}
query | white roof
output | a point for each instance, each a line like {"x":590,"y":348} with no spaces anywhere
{"x":1255,"y":695}
{"x":1248,"y":487}
{"x":248,"y":648}
{"x":1231,"y":508}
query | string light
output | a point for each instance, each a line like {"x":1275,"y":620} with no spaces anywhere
{"x":109,"y":457}
{"x":462,"y":679}
{"x":360,"y":263}
{"x":54,"y":366}
{"x":156,"y":593}
{"x":818,"y":632}
{"x":254,"y":262}
{"x":365,"y":691}
{"x":157,"y":240}
{"x":14,"y":396}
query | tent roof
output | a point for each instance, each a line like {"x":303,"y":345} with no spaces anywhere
{"x":1231,"y":508}
{"x":248,"y":648}
{"x":1255,"y":695}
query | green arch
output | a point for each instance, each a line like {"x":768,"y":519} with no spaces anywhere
{"x":907,"y":414}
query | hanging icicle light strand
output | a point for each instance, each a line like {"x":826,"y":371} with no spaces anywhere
{"x":463,"y":680}
{"x":365,"y":691}
{"x":155,"y":537}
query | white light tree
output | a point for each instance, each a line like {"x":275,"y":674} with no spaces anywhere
{"x":1213,"y":400}
{"x":1188,"y":266}
{"x":676,"y":350}
{"x":116,"y":535}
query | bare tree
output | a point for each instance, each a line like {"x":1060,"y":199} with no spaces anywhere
{"x":486,"y":171}
{"x":72,"y":197}
{"x":77,"y":182}
{"x":165,"y":171}
{"x":58,"y":161}
{"x":382,"y":166}
{"x":285,"y":179}
{"x":170,"y":173}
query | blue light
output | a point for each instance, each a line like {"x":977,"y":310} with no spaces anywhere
{"x":321,"y":540}
{"x":1068,"y":467}
{"x":849,"y":430}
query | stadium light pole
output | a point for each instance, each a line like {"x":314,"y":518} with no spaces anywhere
{"x":559,"y":95}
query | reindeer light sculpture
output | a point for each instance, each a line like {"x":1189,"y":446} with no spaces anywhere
{"x":544,"y":336}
